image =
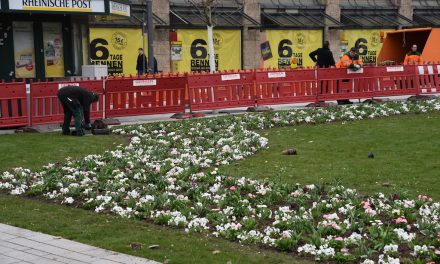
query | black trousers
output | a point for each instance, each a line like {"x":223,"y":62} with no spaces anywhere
{"x":71,"y":107}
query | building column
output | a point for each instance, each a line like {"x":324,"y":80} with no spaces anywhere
{"x":251,"y":37}
{"x":161,"y":37}
{"x":405,"y":8}
{"x":333,"y":9}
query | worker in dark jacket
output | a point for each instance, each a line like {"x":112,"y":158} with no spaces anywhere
{"x":141,"y":62}
{"x":323,"y":57}
{"x":76,"y":102}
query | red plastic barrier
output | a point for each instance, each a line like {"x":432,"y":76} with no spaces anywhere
{"x":283,"y":87}
{"x":145,"y":95}
{"x":336,"y":84}
{"x":396,"y":80}
{"x":46,"y":108}
{"x":221,"y":90}
{"x":13,"y":104}
{"x":428,"y":78}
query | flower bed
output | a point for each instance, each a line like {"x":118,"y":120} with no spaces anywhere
{"x":168,"y":175}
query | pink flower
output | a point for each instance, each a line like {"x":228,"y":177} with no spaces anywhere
{"x":437,"y":252}
{"x":232,"y":188}
{"x":331,"y":216}
{"x":286,"y":234}
{"x":339,"y":239}
{"x":366,"y":205}
{"x":401,"y":220}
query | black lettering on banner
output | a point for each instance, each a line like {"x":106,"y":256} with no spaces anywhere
{"x":94,"y":49}
{"x":100,"y":55}
{"x":358,"y":45}
{"x":284,"y":49}
{"x":199,"y":54}
{"x":81,"y":3}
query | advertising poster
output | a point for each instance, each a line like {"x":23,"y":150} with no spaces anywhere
{"x":280,"y":47}
{"x":366,"y":41}
{"x":24,"y":52}
{"x":195,"y":51}
{"x":176,"y":51}
{"x":53,"y":49}
{"x":117,"y":48}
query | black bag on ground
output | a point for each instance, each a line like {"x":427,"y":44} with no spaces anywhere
{"x":100,"y":128}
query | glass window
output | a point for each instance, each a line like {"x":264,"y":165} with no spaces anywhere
{"x":53,"y":49}
{"x":24,"y":52}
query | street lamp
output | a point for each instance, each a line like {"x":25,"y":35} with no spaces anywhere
{"x":150,"y":36}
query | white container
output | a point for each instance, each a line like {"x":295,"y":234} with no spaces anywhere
{"x":94,"y":71}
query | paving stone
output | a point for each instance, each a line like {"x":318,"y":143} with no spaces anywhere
{"x":21,"y":255}
{"x":13,"y":246}
{"x":7,"y":260}
{"x":37,"y":252}
{"x":23,"y":246}
{"x":4,"y":236}
{"x":25,"y":242}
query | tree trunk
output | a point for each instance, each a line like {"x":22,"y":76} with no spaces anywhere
{"x":211,"y":49}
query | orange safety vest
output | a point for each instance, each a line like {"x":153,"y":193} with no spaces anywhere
{"x":413,"y":58}
{"x":346,"y":60}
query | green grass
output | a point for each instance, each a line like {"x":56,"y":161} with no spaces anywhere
{"x":407,"y":156}
{"x":34,"y":150}
{"x":406,"y":152}
{"x":106,"y":231}
{"x":116,"y":233}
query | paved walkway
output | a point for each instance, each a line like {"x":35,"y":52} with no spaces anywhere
{"x":19,"y":245}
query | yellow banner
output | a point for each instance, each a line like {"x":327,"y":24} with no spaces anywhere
{"x":195,"y":51}
{"x":280,"y":47}
{"x":53,"y":49}
{"x":24,"y":49}
{"x":117,"y":48}
{"x":366,"y":41}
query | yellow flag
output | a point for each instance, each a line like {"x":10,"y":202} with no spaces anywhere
{"x":280,"y":47}
{"x":366,"y":41}
{"x":195,"y":51}
{"x":117,"y":48}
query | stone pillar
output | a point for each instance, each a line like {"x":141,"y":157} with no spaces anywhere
{"x":251,"y":37}
{"x":405,"y":8}
{"x":161,"y":8}
{"x":333,"y":9}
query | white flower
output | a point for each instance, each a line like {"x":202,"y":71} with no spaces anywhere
{"x":69,"y":200}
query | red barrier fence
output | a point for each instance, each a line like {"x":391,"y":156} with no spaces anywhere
{"x":283,"y":87}
{"x":221,"y":90}
{"x":337,"y":84}
{"x":46,"y":108}
{"x":396,"y":80}
{"x":13,"y":104}
{"x":428,"y":78}
{"x":159,"y":94}
{"x":145,"y":96}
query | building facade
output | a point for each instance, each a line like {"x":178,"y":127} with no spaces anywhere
{"x":42,"y":39}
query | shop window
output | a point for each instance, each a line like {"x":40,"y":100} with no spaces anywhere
{"x":53,"y":49}
{"x":24,"y":52}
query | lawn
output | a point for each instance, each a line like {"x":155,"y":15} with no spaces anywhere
{"x":406,"y":150}
{"x":116,"y":233}
{"x":34,"y":150}
{"x":109,"y":232}
{"x":168,"y":175}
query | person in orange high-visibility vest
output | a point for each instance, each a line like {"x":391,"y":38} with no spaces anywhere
{"x":350,"y":60}
{"x":413,"y":57}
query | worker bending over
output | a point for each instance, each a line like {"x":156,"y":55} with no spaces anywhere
{"x":76,"y":102}
{"x":413,"y":57}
